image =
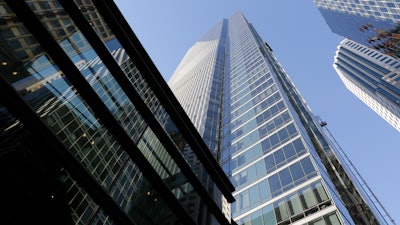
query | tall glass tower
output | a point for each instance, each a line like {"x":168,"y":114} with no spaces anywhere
{"x":257,"y":125}
{"x":371,"y":23}
{"x":371,"y":76}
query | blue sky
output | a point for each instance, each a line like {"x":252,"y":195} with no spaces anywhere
{"x":305,"y":47}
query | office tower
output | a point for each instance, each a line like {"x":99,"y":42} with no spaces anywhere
{"x":257,"y":125}
{"x":371,"y":28}
{"x":371,"y":76}
{"x":90,"y":132}
{"x":371,"y":23}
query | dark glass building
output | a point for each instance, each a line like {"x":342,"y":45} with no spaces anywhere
{"x":90,"y":132}
{"x":371,"y":23}
{"x":277,"y":154}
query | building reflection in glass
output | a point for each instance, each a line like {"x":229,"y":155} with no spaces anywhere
{"x":366,"y":22}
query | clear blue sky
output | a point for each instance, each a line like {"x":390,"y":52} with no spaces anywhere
{"x":305,"y":47}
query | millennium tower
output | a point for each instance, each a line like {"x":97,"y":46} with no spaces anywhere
{"x":90,"y":132}
{"x":285,"y":168}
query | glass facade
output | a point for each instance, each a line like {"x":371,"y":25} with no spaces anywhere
{"x":268,"y":142}
{"x":84,"y":138}
{"x":373,"y":77}
{"x":371,"y":23}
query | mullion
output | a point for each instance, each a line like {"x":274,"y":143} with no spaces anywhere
{"x":62,"y":60}
{"x":135,"y":98}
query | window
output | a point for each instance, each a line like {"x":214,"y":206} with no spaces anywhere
{"x":319,"y":192}
{"x":286,"y":178}
{"x":307,"y":166}
{"x":265,"y":193}
{"x":275,"y":184}
{"x":308,"y":197}
{"x":256,"y":218}
{"x":254,"y":195}
{"x":297,"y":172}
{"x":294,"y":204}
{"x":281,"y":211}
{"x":268,"y":215}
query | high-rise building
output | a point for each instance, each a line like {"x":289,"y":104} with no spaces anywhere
{"x":285,"y":169}
{"x":368,"y":60}
{"x":373,"y":77}
{"x":371,"y":23}
{"x":90,"y":133}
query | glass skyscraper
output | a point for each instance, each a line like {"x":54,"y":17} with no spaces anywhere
{"x":90,"y":133}
{"x":371,"y":23}
{"x":373,"y":77}
{"x":368,"y":60}
{"x":285,"y":169}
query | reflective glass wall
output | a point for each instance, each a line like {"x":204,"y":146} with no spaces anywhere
{"x":83,"y":131}
{"x":371,"y":23}
{"x":270,"y":144}
{"x":372,"y":76}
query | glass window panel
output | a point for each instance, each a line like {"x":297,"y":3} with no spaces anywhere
{"x":257,"y":151}
{"x":307,"y":165}
{"x":254,"y":195}
{"x":256,"y":218}
{"x":308,"y":197}
{"x":249,"y":155}
{"x":269,"y":162}
{"x":233,"y":164}
{"x":294,"y":204}
{"x":245,"y":221}
{"x":241,"y":160}
{"x":244,"y":200}
{"x":274,"y":183}
{"x":242,"y":177}
{"x":251,"y":173}
{"x":285,"y":177}
{"x":235,"y":180}
{"x":291,"y":130}
{"x":261,"y":169}
{"x":269,"y":215}
{"x":333,"y":219}
{"x":320,"y":192}
{"x":265,"y":193}
{"x":281,"y":210}
{"x":318,"y":222}
{"x":234,"y":208}
{"x":297,"y":171}
{"x":298,"y":145}
{"x":285,"y":116}
{"x":279,"y":157}
{"x":266,"y":146}
{"x":278,"y":122}
{"x":274,"y":109}
{"x":266,"y":115}
{"x":274,"y":140}
{"x":259,"y":119}
{"x":289,"y":151}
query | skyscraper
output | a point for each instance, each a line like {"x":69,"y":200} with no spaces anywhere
{"x":373,"y":77}
{"x":371,"y":23}
{"x":90,"y":132}
{"x":371,"y":28}
{"x":284,"y":167}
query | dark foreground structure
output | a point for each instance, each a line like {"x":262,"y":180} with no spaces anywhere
{"x":89,"y":131}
